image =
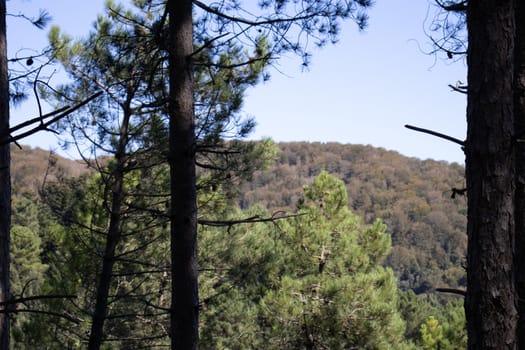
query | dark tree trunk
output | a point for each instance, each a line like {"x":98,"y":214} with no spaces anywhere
{"x":490,"y":301}
{"x":5,"y":181}
{"x":184,"y":302}
{"x":519,"y":115}
{"x":116,"y":182}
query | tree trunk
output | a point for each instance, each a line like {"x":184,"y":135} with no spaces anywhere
{"x":184,"y":300}
{"x":116,"y":180}
{"x":5,"y":181}
{"x":490,"y":302}
{"x":519,"y":115}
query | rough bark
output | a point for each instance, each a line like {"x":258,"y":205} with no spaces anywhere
{"x":5,"y":181}
{"x":490,"y":301}
{"x":96,"y":336}
{"x":184,"y":302}
{"x":519,"y":115}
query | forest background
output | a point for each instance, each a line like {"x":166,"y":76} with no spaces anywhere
{"x":413,"y":197}
{"x":306,"y":296}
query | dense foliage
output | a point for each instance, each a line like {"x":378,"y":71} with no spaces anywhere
{"x":416,"y":199}
{"x":323,"y":278}
{"x":109,"y":259}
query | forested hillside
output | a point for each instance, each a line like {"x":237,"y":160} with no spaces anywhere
{"x":31,"y":167}
{"x":261,"y":283}
{"x":415,"y":198}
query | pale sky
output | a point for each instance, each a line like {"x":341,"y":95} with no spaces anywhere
{"x":363,"y":90}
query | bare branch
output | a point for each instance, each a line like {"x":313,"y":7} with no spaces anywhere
{"x":437,"y":134}
{"x":452,"y":291}
{"x":11,"y":306}
{"x":453,"y":7}
{"x":51,"y":313}
{"x":45,"y":126}
{"x":459,"y":88}
{"x":36,"y":297}
{"x":254,"y":219}
{"x":458,"y":192}
{"x":37,"y":119}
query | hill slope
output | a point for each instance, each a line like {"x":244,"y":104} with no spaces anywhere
{"x":30,"y":167}
{"x":412,"y":196}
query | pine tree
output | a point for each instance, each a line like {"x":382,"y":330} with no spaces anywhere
{"x":494,"y":168}
{"x":107,"y":60}
{"x":335,"y":293}
{"x":311,"y":283}
{"x":5,"y":184}
{"x":222,"y":24}
{"x":131,"y":125}
{"x":490,"y":169}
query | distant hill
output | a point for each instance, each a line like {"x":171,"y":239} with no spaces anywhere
{"x":31,"y":166}
{"x":412,"y":196}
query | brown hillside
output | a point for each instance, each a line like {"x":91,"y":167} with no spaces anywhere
{"x":30,"y":166}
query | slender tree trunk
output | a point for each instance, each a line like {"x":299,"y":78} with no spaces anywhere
{"x":184,"y":300}
{"x":5,"y":181}
{"x":519,"y":115}
{"x":96,"y":336}
{"x":490,"y":302}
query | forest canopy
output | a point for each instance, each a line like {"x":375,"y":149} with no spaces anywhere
{"x":292,"y":272}
{"x":162,"y":240}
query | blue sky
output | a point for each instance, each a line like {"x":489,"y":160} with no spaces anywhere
{"x":361,"y":91}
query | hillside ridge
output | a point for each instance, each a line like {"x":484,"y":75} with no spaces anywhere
{"x":412,"y":196}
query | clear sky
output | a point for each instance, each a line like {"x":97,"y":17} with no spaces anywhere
{"x":363,"y":90}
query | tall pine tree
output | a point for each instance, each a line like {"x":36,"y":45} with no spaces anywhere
{"x":288,"y":26}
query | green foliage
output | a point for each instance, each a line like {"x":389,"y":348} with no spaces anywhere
{"x":237,"y":266}
{"x":314,"y":281}
{"x":431,"y":334}
{"x":27,"y":267}
{"x":241,"y":264}
{"x":412,"y":197}
{"x":448,"y":334}
{"x":454,"y":325}
{"x":257,"y":280}
{"x":74,"y":260}
{"x":335,"y":293}
{"x":432,"y":324}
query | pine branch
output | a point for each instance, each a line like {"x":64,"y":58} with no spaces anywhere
{"x":10,"y":306}
{"x":236,"y":65}
{"x":36,"y":297}
{"x":43,"y":312}
{"x":216,"y":12}
{"x":40,"y":22}
{"x":37,"y":119}
{"x":44,"y":126}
